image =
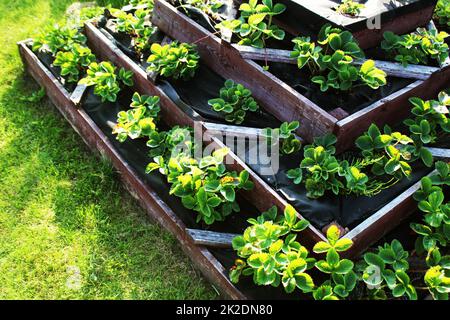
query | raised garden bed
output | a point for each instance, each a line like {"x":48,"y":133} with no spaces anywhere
{"x":316,"y":117}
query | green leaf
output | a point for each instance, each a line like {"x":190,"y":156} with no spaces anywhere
{"x":256,"y":18}
{"x":322,"y":247}
{"x":188,"y":202}
{"x":214,"y":202}
{"x":373,"y":259}
{"x":276,"y":247}
{"x":343,"y":244}
{"x":426,"y":157}
{"x":324,"y":266}
{"x":304,"y":282}
{"x":333,"y":234}
{"x":344,"y":266}
{"x":290,"y":215}
{"x":228,"y":193}
{"x":387,"y":255}
{"x":238,"y":243}
{"x":332,"y":257}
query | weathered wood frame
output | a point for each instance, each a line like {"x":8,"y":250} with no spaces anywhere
{"x":262,"y":197}
{"x":284,"y":102}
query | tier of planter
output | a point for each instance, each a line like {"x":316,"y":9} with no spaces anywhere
{"x":396,"y":16}
{"x":286,"y":103}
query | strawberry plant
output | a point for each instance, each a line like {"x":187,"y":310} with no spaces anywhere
{"x":56,"y":38}
{"x":321,"y":171}
{"x":290,"y":144}
{"x":330,"y":61}
{"x":74,"y":63}
{"x":434,"y":232}
{"x":350,"y":7}
{"x":437,"y":277}
{"x":342,"y":279}
{"x":139,"y":121}
{"x":255,"y":25}
{"x":235,"y":101}
{"x":320,"y":168}
{"x":209,"y":7}
{"x":174,"y":60}
{"x":203,"y":185}
{"x":387,"y":269}
{"x":391,"y":151}
{"x":167,"y":144}
{"x":86,"y":14}
{"x":126,"y":22}
{"x":442,"y":13}
{"x":430,"y":119}
{"x":106,"y":80}
{"x":136,"y":3}
{"x":271,"y":253}
{"x":416,"y":48}
{"x":137,"y":26}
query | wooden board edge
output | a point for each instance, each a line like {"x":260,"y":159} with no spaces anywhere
{"x":361,"y":234}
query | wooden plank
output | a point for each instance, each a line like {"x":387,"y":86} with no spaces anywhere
{"x":217,"y":129}
{"x":339,"y":113}
{"x":211,"y":238}
{"x":394,"y":69}
{"x":78,"y":94}
{"x":384,"y":220}
{"x":270,"y":92}
{"x":236,"y":131}
{"x":389,"y":110}
{"x":148,"y":198}
{"x":440,"y":153}
{"x":266,"y":54}
{"x":372,"y":37}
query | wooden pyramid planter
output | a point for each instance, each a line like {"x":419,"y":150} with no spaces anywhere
{"x":205,"y":248}
{"x":209,"y":249}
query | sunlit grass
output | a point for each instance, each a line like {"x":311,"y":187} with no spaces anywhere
{"x":67,"y":227}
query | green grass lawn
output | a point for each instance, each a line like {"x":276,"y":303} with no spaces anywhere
{"x":68,"y":229}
